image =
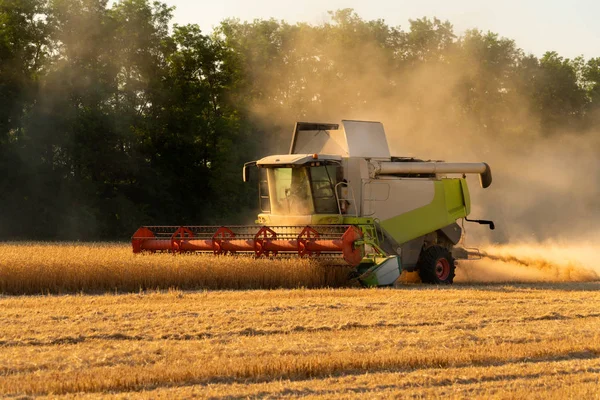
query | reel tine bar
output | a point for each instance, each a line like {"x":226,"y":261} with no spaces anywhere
{"x":267,"y":241}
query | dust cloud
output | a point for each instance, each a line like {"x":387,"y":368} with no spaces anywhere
{"x":545,"y":197}
{"x":533,"y":262}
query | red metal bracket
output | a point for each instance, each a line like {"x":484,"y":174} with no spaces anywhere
{"x":222,"y":234}
{"x":308,"y":234}
{"x":180,"y":234}
{"x":261,"y":241}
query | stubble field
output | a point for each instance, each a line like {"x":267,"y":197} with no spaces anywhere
{"x":504,"y":340}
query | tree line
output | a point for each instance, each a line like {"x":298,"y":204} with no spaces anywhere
{"x":111,"y":117}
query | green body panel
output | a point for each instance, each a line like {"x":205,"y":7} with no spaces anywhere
{"x":358,"y":220}
{"x":450,"y":202}
{"x":466,"y":196}
{"x":315,"y":219}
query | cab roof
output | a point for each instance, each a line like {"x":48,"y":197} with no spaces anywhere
{"x":296,"y":159}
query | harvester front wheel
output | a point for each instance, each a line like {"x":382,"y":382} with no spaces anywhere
{"x":436,"y":265}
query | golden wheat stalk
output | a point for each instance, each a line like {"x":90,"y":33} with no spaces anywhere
{"x":37,"y":268}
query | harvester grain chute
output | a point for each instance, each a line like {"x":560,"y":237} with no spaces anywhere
{"x":339,"y":193}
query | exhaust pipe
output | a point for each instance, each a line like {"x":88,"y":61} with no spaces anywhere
{"x":394,"y":168}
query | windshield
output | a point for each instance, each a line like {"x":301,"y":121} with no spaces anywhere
{"x":289,"y":190}
{"x":303,"y":191}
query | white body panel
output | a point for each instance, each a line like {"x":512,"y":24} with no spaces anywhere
{"x":321,"y":142}
{"x":388,"y":271}
{"x":387,"y":198}
{"x":366,"y":139}
{"x":352,"y":139}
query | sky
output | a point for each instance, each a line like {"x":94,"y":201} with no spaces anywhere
{"x":569,"y":27}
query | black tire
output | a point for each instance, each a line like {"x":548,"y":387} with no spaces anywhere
{"x":436,"y":266}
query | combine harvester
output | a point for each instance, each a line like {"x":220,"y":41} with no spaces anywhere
{"x":339,"y":192}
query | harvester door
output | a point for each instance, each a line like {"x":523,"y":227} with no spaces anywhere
{"x":374,"y":191}
{"x":323,"y":180}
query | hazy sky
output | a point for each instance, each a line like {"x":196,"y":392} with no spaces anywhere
{"x":571,"y":27}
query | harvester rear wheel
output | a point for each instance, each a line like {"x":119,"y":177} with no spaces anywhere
{"x":436,"y":265}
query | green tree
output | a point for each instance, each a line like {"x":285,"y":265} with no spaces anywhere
{"x":110,"y":118}
{"x":557,"y":93}
{"x":24,"y":49}
{"x":591,"y":78}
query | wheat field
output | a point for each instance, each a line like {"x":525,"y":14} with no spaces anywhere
{"x":512,"y":341}
{"x":483,"y":340}
{"x":97,"y":268}
{"x":42,"y":268}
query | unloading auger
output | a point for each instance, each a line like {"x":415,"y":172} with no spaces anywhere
{"x":339,"y":193}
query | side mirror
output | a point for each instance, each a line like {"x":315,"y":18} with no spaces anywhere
{"x":245,"y":172}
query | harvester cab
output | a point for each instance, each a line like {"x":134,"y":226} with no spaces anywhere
{"x":339,"y":192}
